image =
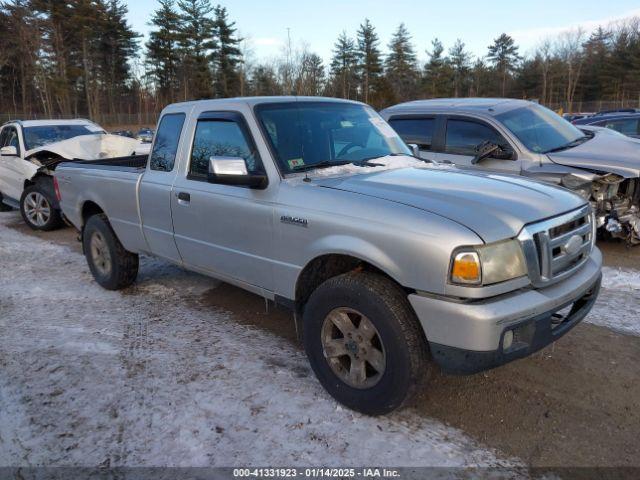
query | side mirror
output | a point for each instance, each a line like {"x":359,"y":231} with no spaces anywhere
{"x":489,"y":149}
{"x":9,"y":151}
{"x":234,"y":171}
{"x":415,"y":149}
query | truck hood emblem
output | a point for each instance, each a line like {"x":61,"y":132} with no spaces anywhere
{"x":573,"y":245}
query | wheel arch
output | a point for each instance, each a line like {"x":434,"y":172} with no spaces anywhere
{"x":328,"y":265}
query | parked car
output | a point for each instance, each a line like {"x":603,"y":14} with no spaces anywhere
{"x":124,"y":133}
{"x":628,"y":124}
{"x":145,"y":135}
{"x":572,"y":117}
{"x":318,"y":205}
{"x":524,"y":138}
{"x":30,"y":151}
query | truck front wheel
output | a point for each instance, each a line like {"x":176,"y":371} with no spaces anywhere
{"x":112,"y":266}
{"x":364,"y":342}
{"x":37,"y":209}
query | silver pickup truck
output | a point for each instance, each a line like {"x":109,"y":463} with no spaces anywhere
{"x":386,"y":260}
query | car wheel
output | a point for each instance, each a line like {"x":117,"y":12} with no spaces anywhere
{"x":364,"y":342}
{"x":111,"y":264}
{"x":37,"y":209}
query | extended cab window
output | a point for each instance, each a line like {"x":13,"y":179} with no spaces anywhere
{"x":463,"y":136}
{"x":163,"y":155}
{"x":415,"y":130}
{"x":220,"y":138}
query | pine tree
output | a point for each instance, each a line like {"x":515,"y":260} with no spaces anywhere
{"x":197,"y":43}
{"x":227,"y":57}
{"x":459,"y":60}
{"x":503,"y":54}
{"x":162,"y":50}
{"x":118,"y":44}
{"x":434,"y":70}
{"x":344,"y":66}
{"x":369,"y":62}
{"x":401,"y":65}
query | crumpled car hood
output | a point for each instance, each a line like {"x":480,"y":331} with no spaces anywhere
{"x":89,"y":147}
{"x":494,"y":206}
{"x":608,"y":153}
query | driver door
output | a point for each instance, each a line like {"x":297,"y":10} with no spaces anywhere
{"x":464,"y":135}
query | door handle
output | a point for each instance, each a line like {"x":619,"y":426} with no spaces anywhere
{"x":184,"y":197}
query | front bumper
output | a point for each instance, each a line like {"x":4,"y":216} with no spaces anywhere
{"x":467,"y":337}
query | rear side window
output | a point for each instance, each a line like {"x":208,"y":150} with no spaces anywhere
{"x":220,"y":138}
{"x":627,"y":126}
{"x":464,"y":136}
{"x":415,"y":130}
{"x":163,"y":155}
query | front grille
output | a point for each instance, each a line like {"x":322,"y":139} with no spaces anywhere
{"x":555,"y":248}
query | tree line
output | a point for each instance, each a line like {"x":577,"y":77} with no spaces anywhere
{"x":82,"y":58}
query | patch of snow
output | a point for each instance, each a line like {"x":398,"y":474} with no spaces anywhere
{"x":149,"y":377}
{"x":618,"y":306}
{"x":386,"y":163}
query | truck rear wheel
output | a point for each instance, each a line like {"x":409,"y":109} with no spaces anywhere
{"x":37,"y":209}
{"x":364,"y":342}
{"x":112,"y":266}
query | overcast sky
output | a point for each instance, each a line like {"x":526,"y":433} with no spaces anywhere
{"x":264,"y":22}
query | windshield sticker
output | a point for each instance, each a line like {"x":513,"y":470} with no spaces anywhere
{"x":295,"y":162}
{"x":346,"y":124}
{"x":383,"y":127}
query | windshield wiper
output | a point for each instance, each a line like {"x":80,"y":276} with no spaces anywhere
{"x":426,"y":160}
{"x":322,"y":164}
{"x":572,"y":144}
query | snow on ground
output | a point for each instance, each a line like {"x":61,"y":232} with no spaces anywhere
{"x":618,"y":306}
{"x":145,"y":377}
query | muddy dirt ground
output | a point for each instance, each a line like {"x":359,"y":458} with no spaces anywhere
{"x":575,"y":403}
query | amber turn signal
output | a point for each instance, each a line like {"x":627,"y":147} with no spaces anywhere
{"x":466,"y":268}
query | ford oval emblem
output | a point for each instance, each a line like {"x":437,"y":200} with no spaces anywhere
{"x":573,"y":245}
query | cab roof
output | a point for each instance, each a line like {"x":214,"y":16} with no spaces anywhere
{"x":40,"y":123}
{"x":488,"y":106}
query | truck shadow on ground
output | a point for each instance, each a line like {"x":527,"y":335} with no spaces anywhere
{"x":576,"y":403}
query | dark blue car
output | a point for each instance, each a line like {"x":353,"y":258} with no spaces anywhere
{"x":625,"y":123}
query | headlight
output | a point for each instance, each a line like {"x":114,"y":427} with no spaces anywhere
{"x":577,"y":184}
{"x":488,"y":264}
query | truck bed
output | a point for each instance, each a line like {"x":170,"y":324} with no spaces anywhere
{"x":129,"y":163}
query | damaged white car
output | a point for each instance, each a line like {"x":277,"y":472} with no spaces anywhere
{"x":524,"y":138}
{"x":29,"y":153}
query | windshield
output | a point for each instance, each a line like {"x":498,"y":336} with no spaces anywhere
{"x":304,"y":134}
{"x":540,"y":129}
{"x":42,"y":135}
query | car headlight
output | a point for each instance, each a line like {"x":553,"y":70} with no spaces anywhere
{"x":488,"y":264}
{"x":577,"y":184}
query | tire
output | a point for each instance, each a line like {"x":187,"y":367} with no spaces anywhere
{"x":112,"y":266}
{"x":3,"y":206}
{"x":373,"y":298}
{"x":36,"y":207}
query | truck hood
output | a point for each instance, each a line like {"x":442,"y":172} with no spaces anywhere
{"x":88,"y":147}
{"x":494,"y":206}
{"x":605,"y":152}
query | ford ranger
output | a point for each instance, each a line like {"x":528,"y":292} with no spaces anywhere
{"x":386,"y":260}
